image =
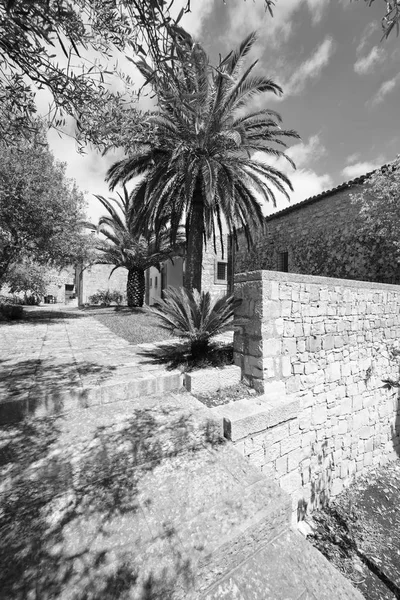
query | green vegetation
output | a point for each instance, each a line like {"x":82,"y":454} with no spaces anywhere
{"x":40,"y":210}
{"x":126,"y":248}
{"x":134,"y":325}
{"x":107,"y":297}
{"x":71,"y":49}
{"x":196,"y":154}
{"x":194,"y":317}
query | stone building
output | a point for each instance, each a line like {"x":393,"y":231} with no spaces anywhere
{"x":215,"y":276}
{"x":320,"y":236}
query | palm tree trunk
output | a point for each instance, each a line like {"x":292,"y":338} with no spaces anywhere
{"x":135,"y":287}
{"x":194,"y":247}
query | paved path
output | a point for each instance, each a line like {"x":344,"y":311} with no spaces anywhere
{"x":137,"y":499}
{"x":63,"y":358}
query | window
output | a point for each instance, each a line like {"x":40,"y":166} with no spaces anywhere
{"x":283,"y":262}
{"x":69,"y":287}
{"x":155,"y":282}
{"x":221,"y":272}
{"x":151,"y":282}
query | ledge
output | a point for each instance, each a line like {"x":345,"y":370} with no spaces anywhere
{"x":264,"y":275}
{"x":252,"y":415}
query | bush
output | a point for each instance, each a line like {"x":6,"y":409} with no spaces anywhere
{"x":195,"y":317}
{"x":107,"y":297}
{"x":31,"y":300}
{"x":11,"y":311}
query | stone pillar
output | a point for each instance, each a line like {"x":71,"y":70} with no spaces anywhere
{"x":258,"y":338}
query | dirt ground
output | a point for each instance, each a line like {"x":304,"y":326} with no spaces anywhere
{"x":229,"y":394}
{"x":359,"y":532}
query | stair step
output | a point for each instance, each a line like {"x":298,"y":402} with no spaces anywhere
{"x":252,"y":415}
{"x":46,"y":402}
{"x":286,"y":568}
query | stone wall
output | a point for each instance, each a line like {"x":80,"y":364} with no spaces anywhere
{"x":326,"y":345}
{"x":56,"y":287}
{"x":97,"y":277}
{"x":321,"y":237}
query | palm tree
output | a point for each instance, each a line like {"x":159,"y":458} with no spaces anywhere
{"x":125,"y":248}
{"x":202,"y":155}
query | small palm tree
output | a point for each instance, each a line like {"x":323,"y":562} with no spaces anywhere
{"x":194,"y":316}
{"x":125,"y":248}
{"x":202,"y":155}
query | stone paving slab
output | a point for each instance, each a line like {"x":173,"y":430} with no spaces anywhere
{"x":112,"y":488}
{"x":144,"y":499}
{"x":71,"y":361}
{"x":113,"y":500}
{"x":288,"y":568}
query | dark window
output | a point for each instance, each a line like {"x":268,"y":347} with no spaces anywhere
{"x":69,"y":287}
{"x":283,"y":262}
{"x":155,"y":281}
{"x":222,"y":271}
{"x":151,"y":282}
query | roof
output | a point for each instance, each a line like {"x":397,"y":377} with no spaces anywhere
{"x":326,"y":193}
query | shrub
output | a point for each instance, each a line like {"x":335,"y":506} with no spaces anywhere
{"x":31,"y":300}
{"x":11,"y":311}
{"x":106,"y":297}
{"x":194,"y":316}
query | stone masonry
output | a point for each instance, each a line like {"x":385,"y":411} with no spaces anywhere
{"x":320,"y":237}
{"x":331,"y":343}
{"x":97,"y":277}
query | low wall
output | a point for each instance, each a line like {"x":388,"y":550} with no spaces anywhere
{"x":326,"y":344}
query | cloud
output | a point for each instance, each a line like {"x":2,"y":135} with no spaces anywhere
{"x":193,"y":21}
{"x":368,"y":63}
{"x":353,"y":157}
{"x":304,"y":153}
{"x":360,"y":168}
{"x":306,"y":183}
{"x":384,"y":90}
{"x":317,"y":8}
{"x":368,"y":31}
{"x":87,"y":170}
{"x":310,"y":69}
{"x":275,"y":30}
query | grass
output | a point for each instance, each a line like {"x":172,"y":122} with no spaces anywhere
{"x":133,"y":324}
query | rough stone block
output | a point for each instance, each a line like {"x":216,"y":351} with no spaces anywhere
{"x":290,"y":482}
{"x":229,"y":375}
{"x":249,"y":416}
{"x":290,"y":443}
{"x":333,"y":372}
{"x":281,"y":465}
{"x":211,"y":380}
{"x":319,"y":414}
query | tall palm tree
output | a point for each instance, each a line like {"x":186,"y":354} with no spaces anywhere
{"x":202,"y":155}
{"x":125,"y":248}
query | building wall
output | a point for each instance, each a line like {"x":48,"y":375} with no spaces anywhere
{"x":154,"y":285}
{"x":330,"y":343}
{"x":211,"y":256}
{"x":322,"y":238}
{"x":97,"y":277}
{"x":57,"y":287}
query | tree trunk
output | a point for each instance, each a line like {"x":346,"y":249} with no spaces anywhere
{"x":135,"y":287}
{"x":194,"y":246}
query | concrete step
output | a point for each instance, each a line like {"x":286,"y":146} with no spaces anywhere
{"x":46,"y":400}
{"x":286,"y":568}
{"x":252,"y":415}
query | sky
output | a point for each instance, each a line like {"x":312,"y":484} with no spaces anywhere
{"x":341,"y":88}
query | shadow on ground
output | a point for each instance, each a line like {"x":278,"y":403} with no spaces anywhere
{"x":39,"y":316}
{"x":73,"y":507}
{"x":26,"y":385}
